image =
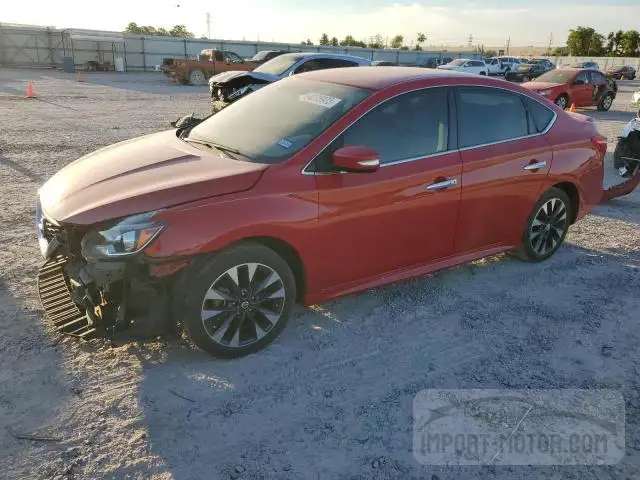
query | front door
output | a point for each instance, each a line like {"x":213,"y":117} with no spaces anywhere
{"x":582,"y":90}
{"x":404,"y":214}
{"x":505,"y":162}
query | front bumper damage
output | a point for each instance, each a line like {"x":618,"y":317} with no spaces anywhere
{"x":89,"y":300}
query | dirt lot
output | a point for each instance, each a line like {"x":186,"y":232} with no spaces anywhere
{"x":332,"y":398}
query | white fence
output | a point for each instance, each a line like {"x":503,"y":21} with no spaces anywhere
{"x":603,"y":62}
{"x":28,"y":46}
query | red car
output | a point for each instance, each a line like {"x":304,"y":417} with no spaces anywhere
{"x":313,"y":187}
{"x":579,"y":86}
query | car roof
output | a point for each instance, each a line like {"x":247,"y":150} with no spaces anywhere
{"x":378,"y":78}
{"x":300,"y":55}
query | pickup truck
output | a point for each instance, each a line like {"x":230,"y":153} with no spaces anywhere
{"x":210,"y":62}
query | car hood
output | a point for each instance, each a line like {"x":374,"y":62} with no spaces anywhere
{"x":225,"y":77}
{"x":448,"y":67}
{"x":140,"y":175}
{"x":537,"y":86}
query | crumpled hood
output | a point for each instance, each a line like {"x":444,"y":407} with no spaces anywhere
{"x":227,"y":76}
{"x":140,"y":175}
{"x":536,"y":86}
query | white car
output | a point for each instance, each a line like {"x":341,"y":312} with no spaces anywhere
{"x":635,"y":99}
{"x":466,"y":65}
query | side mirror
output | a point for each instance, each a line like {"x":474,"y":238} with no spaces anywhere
{"x":355,"y":159}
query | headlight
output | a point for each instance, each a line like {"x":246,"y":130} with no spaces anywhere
{"x":544,"y":92}
{"x":127,"y":237}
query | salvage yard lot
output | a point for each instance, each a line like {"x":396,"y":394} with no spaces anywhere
{"x":332,"y":397}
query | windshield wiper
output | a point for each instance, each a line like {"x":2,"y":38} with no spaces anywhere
{"x":214,"y":145}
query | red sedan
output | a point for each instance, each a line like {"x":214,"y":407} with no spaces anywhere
{"x":317,"y":186}
{"x":580,"y":86}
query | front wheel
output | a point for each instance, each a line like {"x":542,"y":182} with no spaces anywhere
{"x":546,"y":227}
{"x":239,"y":301}
{"x":197,"y":77}
{"x":483,"y":73}
{"x":562,"y":101}
{"x":606,"y":102}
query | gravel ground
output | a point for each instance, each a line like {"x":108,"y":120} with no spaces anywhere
{"x":332,"y":397}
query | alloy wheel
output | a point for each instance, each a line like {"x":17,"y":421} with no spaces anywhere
{"x":606,"y":103}
{"x":243,"y":304}
{"x":562,"y":102}
{"x":548,"y":226}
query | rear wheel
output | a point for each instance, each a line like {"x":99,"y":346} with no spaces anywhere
{"x":622,"y":150}
{"x":547,"y":226}
{"x":606,"y":102}
{"x":197,"y":77}
{"x":562,"y":101}
{"x":239,"y":301}
{"x":483,"y":73}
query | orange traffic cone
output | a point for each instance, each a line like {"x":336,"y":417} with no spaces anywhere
{"x":572,"y":108}
{"x":31,"y":93}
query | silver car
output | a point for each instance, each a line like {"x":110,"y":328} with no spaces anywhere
{"x":228,"y":87}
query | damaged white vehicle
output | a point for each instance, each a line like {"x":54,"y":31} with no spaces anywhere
{"x":227,"y":87}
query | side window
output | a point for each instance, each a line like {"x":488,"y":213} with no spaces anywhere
{"x":308,"y":66}
{"x":219,"y":57}
{"x":597,"y":78}
{"x":540,"y":116}
{"x":476,"y":63}
{"x":411,"y":125}
{"x":582,"y":77}
{"x":234,"y":58}
{"x":336,"y":63}
{"x":507,"y":114}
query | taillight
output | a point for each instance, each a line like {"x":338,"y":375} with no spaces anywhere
{"x":600,"y":143}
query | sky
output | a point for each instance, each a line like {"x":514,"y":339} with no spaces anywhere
{"x":445,"y":22}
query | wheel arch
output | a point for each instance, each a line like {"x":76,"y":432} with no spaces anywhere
{"x":574,"y":196}
{"x":289,"y":254}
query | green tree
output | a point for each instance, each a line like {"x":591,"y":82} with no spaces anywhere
{"x":421,"y":38}
{"x":417,"y":47}
{"x":490,"y":53}
{"x":397,"y":41}
{"x":376,"y":42}
{"x":630,"y":43}
{"x":180,"y":31}
{"x":334,"y":41}
{"x":560,"y":52}
{"x":584,"y":41}
{"x":324,"y":39}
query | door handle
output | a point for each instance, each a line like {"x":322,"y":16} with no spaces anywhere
{"x":444,"y":184}
{"x":535,"y":166}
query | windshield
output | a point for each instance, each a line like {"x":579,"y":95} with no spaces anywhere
{"x":456,"y":63}
{"x":278,"y":120}
{"x":277,"y":66}
{"x":260,"y":56}
{"x":556,"y":76}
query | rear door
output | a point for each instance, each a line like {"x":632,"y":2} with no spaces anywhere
{"x":404,"y":214}
{"x":505,"y":162}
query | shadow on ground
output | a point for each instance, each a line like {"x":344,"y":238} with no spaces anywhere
{"x":332,"y":398}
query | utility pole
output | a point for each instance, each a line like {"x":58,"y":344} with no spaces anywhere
{"x":208,"y":25}
{"x":470,"y":41}
{"x":508,"y":44}
{"x":550,"y":43}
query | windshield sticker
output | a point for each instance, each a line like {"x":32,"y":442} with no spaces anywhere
{"x":325,"y":101}
{"x":284,"y":143}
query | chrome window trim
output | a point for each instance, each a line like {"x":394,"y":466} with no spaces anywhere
{"x":413,"y":159}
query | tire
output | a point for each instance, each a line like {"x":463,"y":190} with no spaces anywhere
{"x":482,"y":73}
{"x":243,"y":323}
{"x":540,"y":241}
{"x":562,"y":101}
{"x":622,"y":150}
{"x":197,"y":77}
{"x":606,"y":102}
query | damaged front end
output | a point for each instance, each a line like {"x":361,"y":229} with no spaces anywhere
{"x":228,"y":87}
{"x":88,"y":288}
